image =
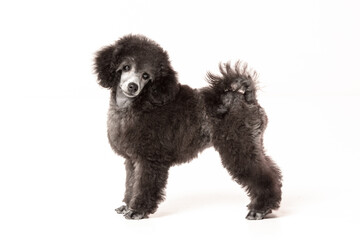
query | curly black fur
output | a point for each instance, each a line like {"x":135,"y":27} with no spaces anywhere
{"x":169,"y":123}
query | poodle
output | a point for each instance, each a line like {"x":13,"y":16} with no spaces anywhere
{"x":155,"y":123}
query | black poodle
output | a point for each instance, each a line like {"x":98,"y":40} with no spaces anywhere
{"x":155,"y":123}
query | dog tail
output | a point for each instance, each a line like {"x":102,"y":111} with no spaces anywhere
{"x":239,"y":79}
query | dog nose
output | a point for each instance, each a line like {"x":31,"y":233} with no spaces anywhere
{"x":132,"y":87}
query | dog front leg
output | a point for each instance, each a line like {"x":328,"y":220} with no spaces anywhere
{"x":130,"y":180}
{"x":148,"y":191}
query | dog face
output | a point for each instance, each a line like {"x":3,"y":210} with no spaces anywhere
{"x":133,"y":77}
{"x":135,"y":63}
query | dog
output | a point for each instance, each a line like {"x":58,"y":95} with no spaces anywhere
{"x":155,"y":123}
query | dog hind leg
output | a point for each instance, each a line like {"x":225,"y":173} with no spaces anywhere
{"x":260,"y":177}
{"x":241,"y":149}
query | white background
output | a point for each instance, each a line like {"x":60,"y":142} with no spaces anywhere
{"x":59,"y":178}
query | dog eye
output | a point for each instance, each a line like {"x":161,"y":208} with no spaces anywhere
{"x":126,"y":67}
{"x":145,"y":76}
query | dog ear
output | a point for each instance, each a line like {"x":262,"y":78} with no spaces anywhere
{"x":105,"y":66}
{"x":165,"y":87}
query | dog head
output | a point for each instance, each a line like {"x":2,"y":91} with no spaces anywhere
{"x":135,"y":65}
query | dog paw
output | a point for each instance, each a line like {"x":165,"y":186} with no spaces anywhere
{"x":134,"y":215}
{"x":257,"y":215}
{"x":122,"y":210}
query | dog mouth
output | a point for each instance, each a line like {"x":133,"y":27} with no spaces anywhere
{"x":129,"y":95}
